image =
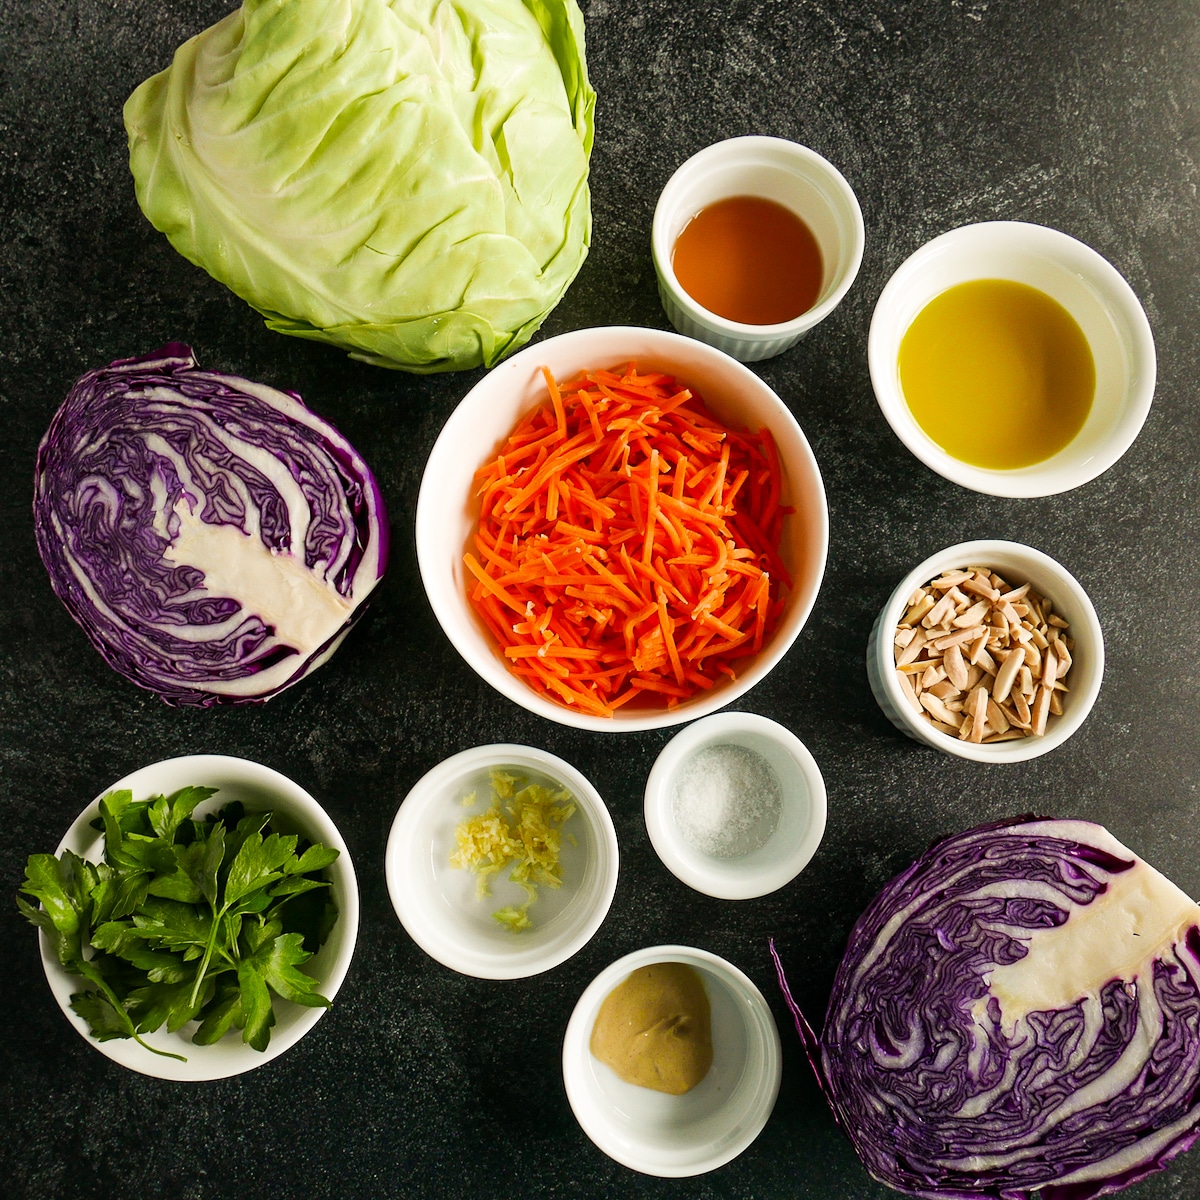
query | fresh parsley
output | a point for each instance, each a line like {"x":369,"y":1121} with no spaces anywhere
{"x":185,"y":919}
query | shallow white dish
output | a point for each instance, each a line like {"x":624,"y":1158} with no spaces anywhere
{"x":802,"y":812}
{"x":437,"y":903}
{"x":773,"y":169}
{"x":258,"y":788}
{"x":1086,"y":285}
{"x":684,"y":1135}
{"x":1018,"y":564}
{"x":447,"y":508}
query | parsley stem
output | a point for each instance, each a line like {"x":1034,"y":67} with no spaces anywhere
{"x":208,"y":953}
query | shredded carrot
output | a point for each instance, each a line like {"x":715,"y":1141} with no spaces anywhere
{"x":627,"y":549}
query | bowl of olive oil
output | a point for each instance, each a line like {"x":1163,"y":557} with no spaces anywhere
{"x":1012,"y":359}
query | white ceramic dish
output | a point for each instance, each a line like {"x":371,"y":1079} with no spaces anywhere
{"x":437,"y":903}
{"x":704,"y":1128}
{"x":258,"y":788}
{"x":1018,"y":564}
{"x":447,"y":507}
{"x":802,"y":811}
{"x":774,"y":169}
{"x":1086,"y":285}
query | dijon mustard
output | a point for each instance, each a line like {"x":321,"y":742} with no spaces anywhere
{"x":654,"y":1029}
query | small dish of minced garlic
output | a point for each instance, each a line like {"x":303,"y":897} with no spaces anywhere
{"x":991,"y":656}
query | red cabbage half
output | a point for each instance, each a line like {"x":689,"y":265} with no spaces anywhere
{"x":214,"y":537}
{"x":1017,"y":1012}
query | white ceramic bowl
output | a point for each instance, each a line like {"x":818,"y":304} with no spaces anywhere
{"x":704,"y":1128}
{"x":1086,"y":285}
{"x":447,"y":508}
{"x":801,"y":815}
{"x":437,"y":903}
{"x":773,"y":169}
{"x":1018,"y":564}
{"x":258,"y":788}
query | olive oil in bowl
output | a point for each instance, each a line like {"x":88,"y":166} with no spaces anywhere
{"x":997,"y":373}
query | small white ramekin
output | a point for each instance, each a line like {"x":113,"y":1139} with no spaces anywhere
{"x":801,"y":818}
{"x":1018,"y":564}
{"x":678,"y":1136}
{"x":774,"y":169}
{"x":1086,"y":285}
{"x":438,"y":903}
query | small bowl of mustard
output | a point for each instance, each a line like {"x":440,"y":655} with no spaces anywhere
{"x":690,"y":1099}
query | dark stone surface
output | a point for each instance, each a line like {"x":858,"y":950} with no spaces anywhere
{"x":421,"y":1082}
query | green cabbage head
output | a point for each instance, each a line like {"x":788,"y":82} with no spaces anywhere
{"x":406,"y":179}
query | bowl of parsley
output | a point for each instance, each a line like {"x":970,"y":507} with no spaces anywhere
{"x":198,"y":917}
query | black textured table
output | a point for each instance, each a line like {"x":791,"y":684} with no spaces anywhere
{"x":421,"y":1082}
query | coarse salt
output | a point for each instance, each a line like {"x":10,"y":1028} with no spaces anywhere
{"x":726,"y":801}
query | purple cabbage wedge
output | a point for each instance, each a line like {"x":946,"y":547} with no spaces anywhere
{"x":214,"y":537}
{"x":1017,"y":1013}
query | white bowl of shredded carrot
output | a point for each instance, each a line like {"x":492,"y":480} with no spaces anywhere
{"x":622,"y":528}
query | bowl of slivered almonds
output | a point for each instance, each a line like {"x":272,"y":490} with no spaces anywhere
{"x":988,"y":650}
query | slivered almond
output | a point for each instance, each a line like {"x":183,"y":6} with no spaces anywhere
{"x":949,"y":579}
{"x":1063,"y":655}
{"x":977,"y":708}
{"x":957,"y":638}
{"x":909,"y":694}
{"x":939,"y":712}
{"x":918,"y":610}
{"x":979,"y":648}
{"x":1041,"y":711}
{"x":1007,"y":674}
{"x":1049,"y":671}
{"x":912,"y":651}
{"x":942,"y":609}
{"x":978,"y":587}
{"x":956,"y":669}
{"x":1025,"y":681}
{"x":973,"y":616}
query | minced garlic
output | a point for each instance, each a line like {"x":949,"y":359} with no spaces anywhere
{"x":521,"y":829}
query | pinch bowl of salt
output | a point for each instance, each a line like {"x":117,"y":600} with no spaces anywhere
{"x":735,"y":806}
